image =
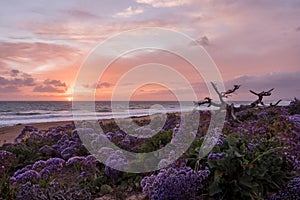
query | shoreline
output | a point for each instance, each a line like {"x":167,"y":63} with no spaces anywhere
{"x":9,"y":133}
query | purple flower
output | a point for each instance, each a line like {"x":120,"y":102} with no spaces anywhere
{"x":68,"y":152}
{"x":47,"y":150}
{"x":38,"y":165}
{"x":55,"y":164}
{"x":115,"y":163}
{"x":20,"y":171}
{"x":119,"y":134}
{"x":145,"y":132}
{"x":24,"y":133}
{"x":176,"y":130}
{"x":126,"y":142}
{"x":35,"y":136}
{"x":45,"y":173}
{"x":295,"y":119}
{"x":83,"y":175}
{"x":74,"y":134}
{"x":76,"y":160}
{"x":28,"y":175}
{"x":215,"y":156}
{"x":7,"y":159}
{"x":175,"y":183}
{"x":290,"y":191}
{"x":90,"y":160}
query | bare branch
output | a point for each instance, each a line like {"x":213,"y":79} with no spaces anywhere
{"x":207,"y":100}
{"x":253,"y":92}
{"x":230,"y":108}
{"x":261,"y":95}
{"x":272,"y":105}
{"x":230,"y":91}
{"x":232,"y":113}
{"x":270,"y":90}
{"x":219,"y":93}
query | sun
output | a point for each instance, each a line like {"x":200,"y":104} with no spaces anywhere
{"x":69,"y":98}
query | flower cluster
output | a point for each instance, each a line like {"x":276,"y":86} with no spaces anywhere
{"x":263,"y":114}
{"x":175,"y":183}
{"x":25,"y":133}
{"x":145,"y":131}
{"x":114,"y":163}
{"x":31,"y":191}
{"x":86,"y":166}
{"x":290,"y":191}
{"x":40,"y":169}
{"x":294,"y":107}
{"x":295,"y":119}
{"x":24,"y":175}
{"x":215,"y":156}
{"x":67,"y":147}
{"x":7,"y":159}
{"x":52,"y":166}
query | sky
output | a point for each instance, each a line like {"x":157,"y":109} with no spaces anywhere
{"x":43,"y":45}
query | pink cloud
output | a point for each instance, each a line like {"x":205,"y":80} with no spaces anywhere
{"x":48,"y":89}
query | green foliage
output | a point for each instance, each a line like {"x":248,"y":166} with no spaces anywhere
{"x":294,"y":107}
{"x":25,"y":154}
{"x":105,"y":189}
{"x":157,"y":141}
{"x":247,"y":115}
{"x":6,"y":190}
{"x":244,"y":174}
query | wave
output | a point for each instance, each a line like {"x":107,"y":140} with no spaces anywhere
{"x":104,"y":110}
{"x":5,"y":111}
{"x":28,"y":113}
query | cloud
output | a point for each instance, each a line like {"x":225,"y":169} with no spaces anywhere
{"x":51,"y":86}
{"x":18,"y":81}
{"x":14,"y":81}
{"x":9,"y":89}
{"x":128,"y":12}
{"x":48,"y":89}
{"x":204,"y":41}
{"x":286,"y":84}
{"x":14,"y":72}
{"x":104,"y":85}
{"x":164,"y":3}
{"x":90,"y":34}
{"x":4,"y":81}
{"x":99,"y":86}
{"x":57,"y":83}
{"x":81,"y":14}
{"x":298,"y":28}
{"x":37,"y":53}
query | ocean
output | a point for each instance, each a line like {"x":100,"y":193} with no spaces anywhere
{"x":26,"y":112}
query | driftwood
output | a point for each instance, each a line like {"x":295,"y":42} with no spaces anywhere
{"x":231,"y":109}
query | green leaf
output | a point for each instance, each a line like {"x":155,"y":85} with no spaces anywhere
{"x":214,"y":188}
{"x":212,"y":164}
{"x":246,"y":181}
{"x":218,"y":175}
{"x":237,"y":154}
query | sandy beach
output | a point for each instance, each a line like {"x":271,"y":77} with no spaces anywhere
{"x":8,"y":134}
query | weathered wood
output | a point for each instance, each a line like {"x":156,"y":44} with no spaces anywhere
{"x":231,"y":109}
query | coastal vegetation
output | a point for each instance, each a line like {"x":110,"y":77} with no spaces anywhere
{"x":256,"y":157}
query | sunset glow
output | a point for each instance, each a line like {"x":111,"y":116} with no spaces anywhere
{"x":43,"y":45}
